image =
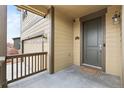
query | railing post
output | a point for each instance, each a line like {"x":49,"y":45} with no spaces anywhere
{"x":3,"y":81}
{"x":3,"y":48}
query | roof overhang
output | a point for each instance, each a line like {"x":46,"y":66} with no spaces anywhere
{"x":37,"y":9}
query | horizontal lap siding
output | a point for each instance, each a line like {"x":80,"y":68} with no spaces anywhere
{"x":63,"y":42}
{"x":34,"y":25}
{"x":34,"y":45}
{"x":36,"y":29}
{"x":113,"y":43}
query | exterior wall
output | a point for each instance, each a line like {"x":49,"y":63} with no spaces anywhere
{"x":113,"y":43}
{"x":3,"y":30}
{"x":35,"y":45}
{"x":63,"y":49}
{"x":34,"y":25}
{"x":76,"y":43}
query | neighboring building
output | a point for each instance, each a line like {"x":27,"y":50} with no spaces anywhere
{"x":11,"y":50}
{"x":14,"y":48}
{"x":16,"y":43}
{"x":32,"y":31}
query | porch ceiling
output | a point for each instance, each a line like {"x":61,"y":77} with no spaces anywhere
{"x":76,"y":11}
{"x":72,"y":11}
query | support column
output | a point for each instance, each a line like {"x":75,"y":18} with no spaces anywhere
{"x":122,"y":77}
{"x":51,"y":52}
{"x":3,"y":47}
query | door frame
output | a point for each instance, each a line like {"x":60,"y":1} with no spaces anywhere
{"x":88,"y":17}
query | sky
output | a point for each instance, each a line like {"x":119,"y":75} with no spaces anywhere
{"x":13,"y":23}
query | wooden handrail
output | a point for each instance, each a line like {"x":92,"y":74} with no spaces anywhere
{"x":28,"y":54}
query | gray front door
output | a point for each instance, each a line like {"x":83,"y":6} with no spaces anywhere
{"x":93,"y":38}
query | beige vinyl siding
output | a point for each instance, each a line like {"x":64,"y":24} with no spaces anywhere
{"x":34,"y":25}
{"x":76,"y":43}
{"x":35,"y":45}
{"x":63,"y":41}
{"x":113,"y":43}
{"x":28,"y":19}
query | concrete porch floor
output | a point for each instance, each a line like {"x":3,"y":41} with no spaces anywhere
{"x":71,"y":77}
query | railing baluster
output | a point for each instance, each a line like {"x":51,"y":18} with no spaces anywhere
{"x":38,"y":62}
{"x":17,"y":67}
{"x":12,"y":68}
{"x":25,"y":65}
{"x":21,"y":66}
{"x":35,"y":63}
{"x":28,"y":64}
{"x":32,"y":63}
{"x":45,"y":61}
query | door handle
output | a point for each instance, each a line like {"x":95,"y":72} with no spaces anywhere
{"x":100,"y":46}
{"x":100,"y":49}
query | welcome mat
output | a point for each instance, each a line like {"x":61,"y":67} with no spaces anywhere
{"x":90,"y":70}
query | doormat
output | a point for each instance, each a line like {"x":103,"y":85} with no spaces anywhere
{"x":90,"y":70}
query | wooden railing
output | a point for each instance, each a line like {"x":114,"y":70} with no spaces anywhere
{"x":21,"y":66}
